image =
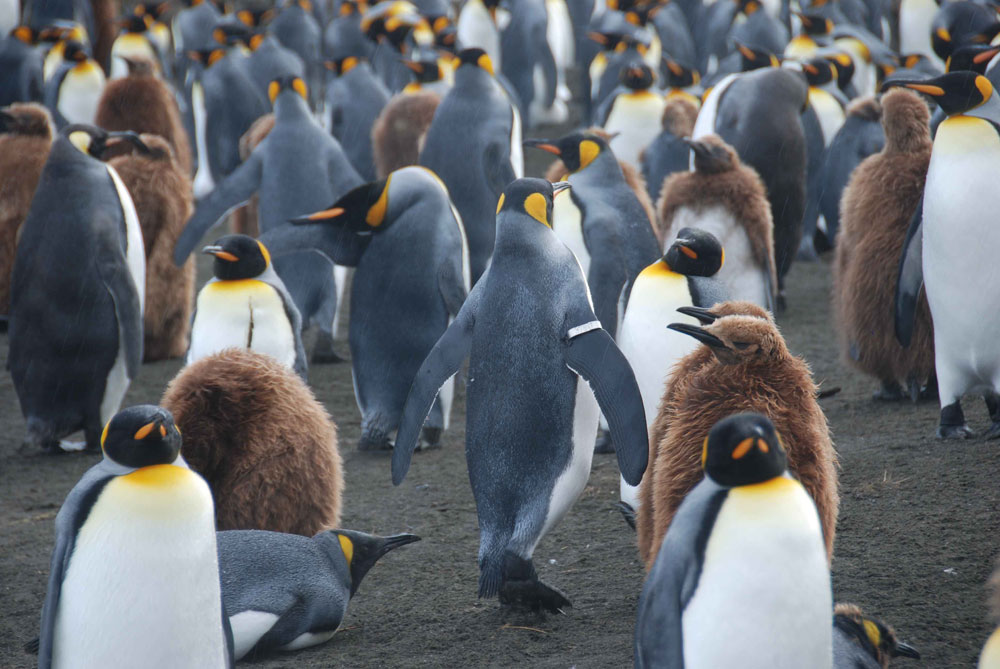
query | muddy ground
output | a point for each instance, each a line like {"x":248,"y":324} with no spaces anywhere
{"x":915,"y":544}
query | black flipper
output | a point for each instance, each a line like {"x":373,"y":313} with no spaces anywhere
{"x":910,"y":277}
{"x":123,"y":292}
{"x":595,"y":357}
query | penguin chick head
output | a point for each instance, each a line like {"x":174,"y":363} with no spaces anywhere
{"x":743,"y":449}
{"x":26,"y":118}
{"x":754,"y":58}
{"x":712,"y":155}
{"x":695,"y":252}
{"x":954,"y":92}
{"x":873,"y":636}
{"x":739,"y":339}
{"x":139,"y":66}
{"x":845,"y":67}
{"x":362,"y":550}
{"x":238,"y":257}
{"x":972,"y":57}
{"x":576,"y":150}
{"x":94,"y":141}
{"x":141,"y":436}
{"x":637,"y":76}
{"x":708,"y":315}
{"x":819,"y":71}
{"x":905,"y":120}
{"x":532,"y":197}
{"x":475,"y":57}
{"x":287,"y":83}
{"x":680,"y":76}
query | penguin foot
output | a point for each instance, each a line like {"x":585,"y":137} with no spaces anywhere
{"x":889,"y":392}
{"x":374,"y":441}
{"x":628,"y":513}
{"x":430,"y":438}
{"x":952,"y":424}
{"x":954,"y":432}
{"x":532,"y":595}
{"x":604,"y":444}
{"x":323,"y":353}
{"x":993,"y":432}
{"x":31,"y":648}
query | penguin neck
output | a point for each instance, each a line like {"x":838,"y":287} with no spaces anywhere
{"x":290,"y":106}
{"x":520,"y":239}
{"x":329,"y":544}
{"x":473,"y":78}
{"x":599,"y":170}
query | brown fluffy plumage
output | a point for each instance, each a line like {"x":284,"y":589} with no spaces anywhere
{"x":679,"y":116}
{"x":398,"y":132}
{"x":161,"y":191}
{"x":24,"y":148}
{"x":266,"y":446}
{"x":143,"y":103}
{"x":710,"y":384}
{"x":244,"y":220}
{"x":876,"y":207}
{"x":729,"y":184}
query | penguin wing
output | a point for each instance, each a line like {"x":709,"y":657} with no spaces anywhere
{"x":123,"y":291}
{"x":497,"y":167}
{"x":234,"y":190}
{"x":548,"y":64}
{"x":607,"y":276}
{"x":707,"y":291}
{"x":441,"y":364}
{"x":69,"y":520}
{"x":295,"y":319}
{"x":910,"y":277}
{"x":593,"y":355}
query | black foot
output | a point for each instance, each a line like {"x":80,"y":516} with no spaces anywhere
{"x":807,"y":251}
{"x":890,"y":391}
{"x":323,"y":353}
{"x":430,"y":438}
{"x":32,"y":646}
{"x":913,"y":390}
{"x":628,"y":513}
{"x":374,"y":441}
{"x":952,"y":424}
{"x":993,"y":406}
{"x":994,"y":431}
{"x":781,"y":303}
{"x":930,"y":391}
{"x":604,"y":444}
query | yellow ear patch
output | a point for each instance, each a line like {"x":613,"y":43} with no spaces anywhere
{"x":588,"y":151}
{"x":537,"y":207}
{"x":704,"y":452}
{"x":80,"y":140}
{"x":23,"y":33}
{"x":264,"y":252}
{"x":871,"y":629}
{"x":485,"y":63}
{"x":347,"y":546}
{"x":500,"y":203}
{"x":219,"y":35}
{"x":256,"y":41}
{"x":376,"y":214}
{"x":299,"y":87}
{"x":272,"y":91}
{"x":722,"y":260}
{"x":985,"y":87}
{"x":215,"y":56}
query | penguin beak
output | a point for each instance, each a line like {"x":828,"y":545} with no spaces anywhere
{"x":131,"y":137}
{"x":701,"y":314}
{"x":219,"y":253}
{"x":905,"y":650}
{"x":559,"y":187}
{"x":324,"y":215}
{"x":544,"y":145}
{"x":926,"y":89}
{"x":698,"y":147}
{"x":985,"y":56}
{"x":698,"y":333}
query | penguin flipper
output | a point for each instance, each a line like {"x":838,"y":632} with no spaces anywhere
{"x":295,"y":319}
{"x":452,"y":286}
{"x":497,"y":167}
{"x":910,"y":277}
{"x":128,"y":313}
{"x":236,"y":189}
{"x":548,"y":64}
{"x":441,"y":364}
{"x":595,"y":357}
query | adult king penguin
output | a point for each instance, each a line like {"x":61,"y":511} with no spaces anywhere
{"x":534,"y":343}
{"x":75,"y":326}
{"x":952,"y":254}
{"x":742,"y":578}
{"x":134,"y":579}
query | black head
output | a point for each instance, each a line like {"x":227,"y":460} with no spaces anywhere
{"x":845,"y":68}
{"x":427,"y":69}
{"x":475,"y":57}
{"x":256,"y":18}
{"x":238,"y":257}
{"x":343,"y":65}
{"x":815,"y":24}
{"x":637,"y":76}
{"x":576,"y":150}
{"x":819,"y":71}
{"x":972,"y":57}
{"x":695,"y":252}
{"x":353,"y":219}
{"x":136,"y":23}
{"x":75,"y":52}
{"x":287,"y":83}
{"x":362,"y":551}
{"x":94,"y":141}
{"x":231,"y":33}
{"x":680,"y":76}
{"x":141,"y":436}
{"x":206,"y":57}
{"x":748,"y":7}
{"x":154,"y":10}
{"x":754,"y":58}
{"x":954,"y":92}
{"x":743,"y":449}
{"x":532,"y":197}
{"x":872,"y":635}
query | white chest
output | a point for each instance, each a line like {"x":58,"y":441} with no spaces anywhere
{"x":567,"y":223}
{"x":636,"y":119}
{"x":80,"y":92}
{"x":828,"y":111}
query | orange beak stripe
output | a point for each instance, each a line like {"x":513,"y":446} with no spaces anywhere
{"x":690,"y":253}
{"x":762,"y":445}
{"x":225,"y":255}
{"x":985,"y":56}
{"x":144,"y":431}
{"x":550,"y":148}
{"x":163,"y":431}
{"x":936,"y":91}
{"x":325,"y":214}
{"x":742,"y":448}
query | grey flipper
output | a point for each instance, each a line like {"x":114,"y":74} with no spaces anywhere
{"x":548,"y":64}
{"x":452,"y":285}
{"x":497,"y":167}
{"x":295,"y":318}
{"x":659,"y":640}
{"x":122,"y":290}
{"x":595,"y":357}
{"x":607,"y":275}
{"x":441,"y":364}
{"x":234,"y":190}
{"x":910,"y":278}
{"x":707,"y":291}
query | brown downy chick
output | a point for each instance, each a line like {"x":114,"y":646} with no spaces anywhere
{"x":753,"y":371}
{"x":142,"y":102}
{"x":876,"y":208}
{"x":161,"y":191}
{"x":398,"y":133}
{"x":244,"y":219}
{"x":25,"y":139}
{"x":266,"y":446}
{"x":864,"y":642}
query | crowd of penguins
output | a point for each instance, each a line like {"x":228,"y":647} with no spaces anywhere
{"x":624,"y":304}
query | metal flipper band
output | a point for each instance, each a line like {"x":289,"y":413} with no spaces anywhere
{"x":583,"y":329}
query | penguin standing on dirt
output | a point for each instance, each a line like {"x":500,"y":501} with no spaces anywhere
{"x":873,"y":229}
{"x":21,"y":64}
{"x":727,"y":199}
{"x":743,"y":561}
{"x":377,"y":228}
{"x":534,"y":343}
{"x":76,"y":327}
{"x":135,"y":540}
{"x":354,"y":100}
{"x":950,"y":254}
{"x":73,"y":92}
{"x":633,"y":116}
{"x":477,"y":121}
{"x":287,"y":592}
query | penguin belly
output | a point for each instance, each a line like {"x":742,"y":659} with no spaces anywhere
{"x":242,"y":314}
{"x":915,"y":20}
{"x":142,"y":586}
{"x":516,"y":147}
{"x":203,"y":181}
{"x":801,"y":47}
{"x":763,"y":599}
{"x":742,"y":276}
{"x":559,"y":35}
{"x":636,"y":119}
{"x":80,"y":92}
{"x":567,"y":223}
{"x":960,"y":244}
{"x":828,"y":111}
{"x":475,"y":28}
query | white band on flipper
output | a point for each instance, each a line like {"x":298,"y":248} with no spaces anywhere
{"x":583,"y":329}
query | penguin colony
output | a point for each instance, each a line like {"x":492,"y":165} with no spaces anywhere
{"x":385,"y":143}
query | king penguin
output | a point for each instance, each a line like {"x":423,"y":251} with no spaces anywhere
{"x":354,"y":100}
{"x":528,"y":63}
{"x":73,"y":92}
{"x":135,"y":541}
{"x":534,"y":343}
{"x":632,"y":116}
{"x":950,"y":254}
{"x":379,"y":228}
{"x":865,"y":643}
{"x":743,"y":561}
{"x":246,"y":305}
{"x":286,"y":592}
{"x":71,"y":372}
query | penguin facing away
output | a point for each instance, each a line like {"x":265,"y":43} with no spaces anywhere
{"x":865,"y":643}
{"x":287,"y":592}
{"x":354,"y":100}
{"x":743,"y":561}
{"x":22,"y":66}
{"x":71,"y":373}
{"x":533,"y":341}
{"x":399,"y":131}
{"x":135,"y":541}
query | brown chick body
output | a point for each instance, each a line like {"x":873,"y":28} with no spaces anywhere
{"x":878,"y":203}
{"x":161,"y":191}
{"x":399,"y":130}
{"x":143,"y":103}
{"x":244,"y":219}
{"x":25,"y":139}
{"x":266,"y":446}
{"x":746,"y":368}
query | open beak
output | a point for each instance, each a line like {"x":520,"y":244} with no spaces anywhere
{"x":701,"y":314}
{"x":544,"y":145}
{"x":698,"y":333}
{"x":318,"y":216}
{"x":219,"y":253}
{"x":906,"y":650}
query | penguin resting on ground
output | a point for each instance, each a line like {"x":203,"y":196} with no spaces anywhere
{"x":287,"y":592}
{"x":864,"y":643}
{"x":743,"y":561}
{"x":135,"y":541}
{"x":533,"y":342}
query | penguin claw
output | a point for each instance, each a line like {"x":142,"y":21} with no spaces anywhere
{"x":993,"y":432}
{"x":533,"y":595}
{"x":955,"y":432}
{"x":628,"y":513}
